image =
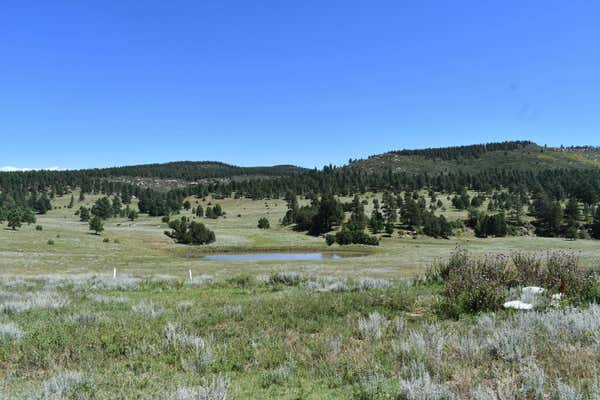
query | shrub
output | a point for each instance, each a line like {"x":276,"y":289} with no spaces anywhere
{"x":50,"y":242}
{"x":370,"y":386}
{"x":65,"y":385}
{"x":100,"y":298}
{"x":195,"y":352}
{"x":279,"y":375}
{"x":372,"y":327}
{"x":288,"y":278}
{"x":148,"y":309}
{"x":39,"y":228}
{"x":33,"y":301}
{"x":420,"y":386}
{"x":329,"y":239}
{"x":329,"y":284}
{"x":10,"y":332}
{"x":373,"y":283}
{"x":263,"y":223}
{"x":474,"y":285}
{"x":213,"y":389}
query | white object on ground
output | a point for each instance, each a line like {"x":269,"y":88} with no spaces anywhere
{"x":518,"y":305}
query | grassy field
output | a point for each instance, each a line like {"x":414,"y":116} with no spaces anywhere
{"x":354,"y":327}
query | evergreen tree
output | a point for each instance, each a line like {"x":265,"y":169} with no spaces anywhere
{"x":116,"y":206}
{"x":84,"y":214}
{"x":102,"y":208}
{"x":43,"y":205}
{"x":329,"y":214}
{"x":263,"y":223}
{"x":81,"y":196}
{"x":28,"y":216}
{"x":292,"y":209}
{"x":71,"y":202}
{"x":376,"y":222}
{"x":572,"y":212}
{"x":96,"y":224}
{"x":190,"y":233}
{"x":14,"y":218}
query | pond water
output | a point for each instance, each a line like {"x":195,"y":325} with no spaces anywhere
{"x":274,"y":257}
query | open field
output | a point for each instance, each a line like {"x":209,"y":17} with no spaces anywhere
{"x":350,"y":328}
{"x":140,"y":247}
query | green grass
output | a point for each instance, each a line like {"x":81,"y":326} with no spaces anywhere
{"x":122,"y":354}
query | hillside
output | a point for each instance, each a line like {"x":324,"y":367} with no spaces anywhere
{"x":522,"y":155}
{"x":193,"y":170}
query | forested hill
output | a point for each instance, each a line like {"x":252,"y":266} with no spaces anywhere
{"x":516,"y":155}
{"x":194,"y":170}
{"x":184,"y":171}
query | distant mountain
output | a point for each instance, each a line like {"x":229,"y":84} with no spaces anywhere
{"x":517,"y":155}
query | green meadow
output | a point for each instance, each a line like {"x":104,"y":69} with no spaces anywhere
{"x":362,"y":326}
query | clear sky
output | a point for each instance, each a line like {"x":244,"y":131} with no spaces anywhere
{"x":99,"y":83}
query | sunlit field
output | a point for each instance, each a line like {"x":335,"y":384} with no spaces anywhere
{"x":116,"y":315}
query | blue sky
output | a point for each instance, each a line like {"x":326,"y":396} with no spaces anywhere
{"x":100,"y":83}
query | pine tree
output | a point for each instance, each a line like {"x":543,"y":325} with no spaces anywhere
{"x":572,"y":212}
{"x":14,"y":218}
{"x":96,"y":224}
{"x":102,"y":208}
{"x":84,"y":214}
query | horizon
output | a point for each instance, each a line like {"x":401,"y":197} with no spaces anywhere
{"x":11,"y":168}
{"x":96,"y":86}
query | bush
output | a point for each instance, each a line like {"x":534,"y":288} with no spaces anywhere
{"x":329,"y":239}
{"x":474,"y":285}
{"x":50,"y":242}
{"x":39,"y":228}
{"x":190,"y":233}
{"x":263,"y":223}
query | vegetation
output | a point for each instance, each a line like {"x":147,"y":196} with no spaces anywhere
{"x":263,"y":223}
{"x":123,"y":316}
{"x":185,"y":232}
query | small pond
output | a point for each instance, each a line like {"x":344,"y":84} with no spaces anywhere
{"x":274,"y":257}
